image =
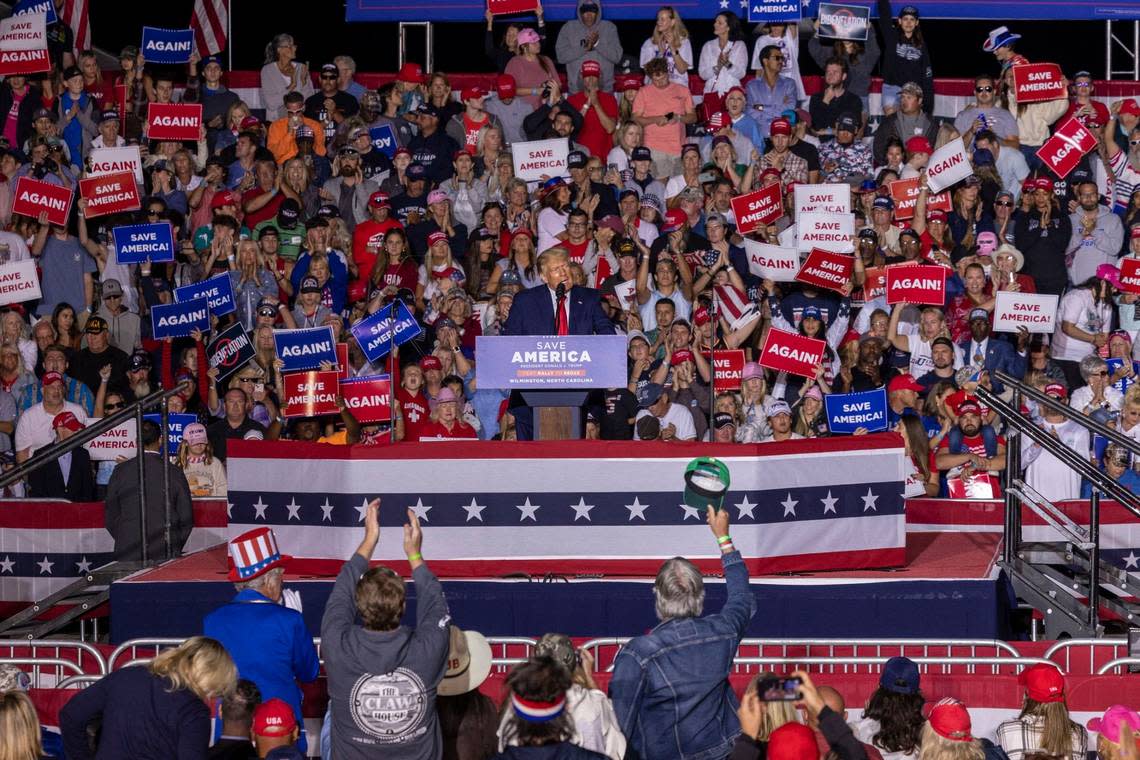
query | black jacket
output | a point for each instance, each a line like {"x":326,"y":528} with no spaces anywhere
{"x":47,"y":482}
{"x":122,"y":508}
{"x":28,"y":106}
{"x":539,"y":126}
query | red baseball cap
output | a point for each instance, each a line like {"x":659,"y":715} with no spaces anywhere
{"x":1056,"y":389}
{"x":505,"y":86}
{"x":793,"y":741}
{"x":436,"y":237}
{"x":623,"y":82}
{"x":675,"y":218}
{"x":274,"y":717}
{"x":936,"y":215}
{"x":684,"y":355}
{"x":918,"y":144}
{"x":379,"y":199}
{"x":1043,"y":683}
{"x":66,"y":420}
{"x":1043,"y":183}
{"x":950,"y":720}
{"x":51,"y":377}
{"x":904,"y":382}
{"x":1130,"y":107}
{"x":781,"y":126}
{"x":411,"y":73}
{"x":249,"y":122}
{"x":430,"y":362}
{"x":701,"y":316}
{"x":472,"y":93}
{"x":225,"y":198}
{"x":1135,"y":232}
{"x":969,"y":406}
{"x":590,"y":69}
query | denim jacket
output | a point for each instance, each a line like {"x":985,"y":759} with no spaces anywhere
{"x":670,"y":687}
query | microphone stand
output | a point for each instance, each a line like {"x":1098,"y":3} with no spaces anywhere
{"x":714,"y":316}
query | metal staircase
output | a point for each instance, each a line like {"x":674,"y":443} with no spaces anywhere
{"x":77,"y":599}
{"x":1064,"y":579}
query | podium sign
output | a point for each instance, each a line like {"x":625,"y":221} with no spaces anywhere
{"x":550,"y":361}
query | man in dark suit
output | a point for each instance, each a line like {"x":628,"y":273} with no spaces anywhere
{"x":69,"y":476}
{"x":554,"y":308}
{"x":985,"y":352}
{"x":122,"y":506}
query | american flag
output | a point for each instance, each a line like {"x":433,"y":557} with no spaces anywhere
{"x":735,"y":306}
{"x":210,"y":22}
{"x":75,"y":16}
{"x":608,"y":507}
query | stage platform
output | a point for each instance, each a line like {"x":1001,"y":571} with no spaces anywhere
{"x":950,"y":587}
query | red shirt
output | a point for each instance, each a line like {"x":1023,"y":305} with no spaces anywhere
{"x":370,"y":233}
{"x":593,"y":137}
{"x":266,"y":212}
{"x":471,"y":131}
{"x":1097,"y":120}
{"x":459,"y":430}
{"x":402,"y":275}
{"x":577,"y":251}
{"x":417,"y":418}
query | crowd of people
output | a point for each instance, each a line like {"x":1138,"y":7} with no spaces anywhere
{"x":413,"y":690}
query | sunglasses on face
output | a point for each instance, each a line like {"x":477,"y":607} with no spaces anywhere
{"x":248,"y":379}
{"x":1134,"y":142}
{"x":983,"y":89}
{"x":1003,"y":203}
{"x":109,"y":407}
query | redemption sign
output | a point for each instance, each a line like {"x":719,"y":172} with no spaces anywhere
{"x":824,"y":269}
{"x":844,"y":22}
{"x":832,"y":232}
{"x":109,"y":194}
{"x":791,"y":352}
{"x":311,"y":394}
{"x":34,"y":197}
{"x":1064,"y":149}
{"x":368,"y":398}
{"x":847,"y":412}
{"x":756,"y":209}
{"x":905,"y":192}
{"x":948,"y":165}
{"x":540,"y":158}
{"x":772,"y":262}
{"x":830,"y":199}
{"x":550,"y":361}
{"x":922,"y":284}
{"x":1036,"y":312}
{"x":728,"y":369}
{"x":174,"y":121}
{"x":230,"y":350}
{"x":139,"y":243}
{"x":19,"y":282}
{"x":1039,"y":82}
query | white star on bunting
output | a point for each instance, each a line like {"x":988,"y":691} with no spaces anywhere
{"x":829,"y":504}
{"x":690,"y":512}
{"x":582,"y":509}
{"x":230,"y":510}
{"x":7,"y":565}
{"x":474,"y":510}
{"x":420,"y":509}
{"x":83,"y":565}
{"x":789,"y":505}
{"x":746,"y":507}
{"x":326,"y":511}
{"x":723,"y":4}
{"x":1131,"y":560}
{"x":527,"y":510}
{"x":294,"y":510}
{"x":637,"y":509}
{"x":259,"y":507}
{"x":869,"y":500}
{"x":361,"y":510}
{"x":45,"y":566}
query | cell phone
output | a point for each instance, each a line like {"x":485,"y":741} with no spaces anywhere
{"x":670,"y":116}
{"x":779,"y":689}
{"x":259,"y":387}
{"x":612,"y":167}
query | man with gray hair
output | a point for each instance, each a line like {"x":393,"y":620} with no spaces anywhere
{"x":262,"y":627}
{"x":670,"y":687}
{"x":345,"y":71}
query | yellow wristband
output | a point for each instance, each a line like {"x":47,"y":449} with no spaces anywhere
{"x":414,"y":557}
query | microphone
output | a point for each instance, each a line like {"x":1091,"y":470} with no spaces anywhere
{"x":560,"y":291}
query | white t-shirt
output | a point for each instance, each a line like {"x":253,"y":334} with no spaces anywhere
{"x":676,"y":415}
{"x":865,"y":730}
{"x":682,"y":309}
{"x":551,"y":224}
{"x":920,"y":359}
{"x":1078,"y":307}
{"x":34,"y":430}
{"x":1083,"y":395}
{"x":649,"y":52}
{"x":772,"y":439}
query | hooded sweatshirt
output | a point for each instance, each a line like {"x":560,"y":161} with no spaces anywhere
{"x":571,"y":48}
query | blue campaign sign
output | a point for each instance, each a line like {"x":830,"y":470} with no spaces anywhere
{"x":1122,"y":384}
{"x":305,"y":348}
{"x":219,"y":290}
{"x":848,"y":411}
{"x":377,"y":334}
{"x":139,"y":243}
{"x":179,"y":319}
{"x":551,"y":361}
{"x":760,"y":11}
{"x":167,"y":45}
{"x":383,"y":139}
{"x":176,"y":424}
{"x":36,"y":6}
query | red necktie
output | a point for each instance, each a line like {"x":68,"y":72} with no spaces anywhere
{"x":562,"y":320}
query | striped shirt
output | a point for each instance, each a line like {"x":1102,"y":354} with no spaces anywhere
{"x":1022,"y":737}
{"x":1127,"y":179}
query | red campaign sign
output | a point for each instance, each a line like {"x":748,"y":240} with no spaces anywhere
{"x":1130,"y":275}
{"x":109,"y":194}
{"x":1062,"y":152}
{"x":728,"y":369}
{"x":498,"y":7}
{"x":342,"y":360}
{"x":173,"y":121}
{"x":905,"y":192}
{"x":824,"y":269}
{"x":1038,"y":82}
{"x":311,"y":394}
{"x":874,"y":282}
{"x":34,"y":196}
{"x":369,"y":398}
{"x":24,"y":61}
{"x":758,"y":208}
{"x":791,"y":352}
{"x":921,"y":284}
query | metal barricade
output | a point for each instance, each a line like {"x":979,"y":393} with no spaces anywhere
{"x":132,"y":648}
{"x":946,"y":663}
{"x":1062,"y":652}
{"x":1118,"y":662}
{"x":88,"y":659}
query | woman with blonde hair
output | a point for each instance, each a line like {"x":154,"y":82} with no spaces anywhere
{"x":775,"y":714}
{"x":753,"y":405}
{"x":19,"y":728}
{"x":946,"y":735}
{"x":154,"y":710}
{"x":1043,"y":725}
{"x":670,"y":41}
{"x":204,"y":472}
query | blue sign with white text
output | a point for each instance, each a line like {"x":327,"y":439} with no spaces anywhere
{"x":218,"y":290}
{"x":167,"y":45}
{"x":36,"y":6}
{"x":177,"y":423}
{"x":139,"y":243}
{"x":846,"y":412}
{"x":383,"y":139}
{"x":305,"y":348}
{"x":377,"y":334}
{"x":179,"y":319}
{"x":551,"y":361}
{"x":1122,"y":384}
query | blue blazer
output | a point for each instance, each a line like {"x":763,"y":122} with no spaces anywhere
{"x":532,"y":313}
{"x":1000,"y":355}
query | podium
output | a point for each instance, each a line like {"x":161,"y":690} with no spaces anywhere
{"x":551,"y":374}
